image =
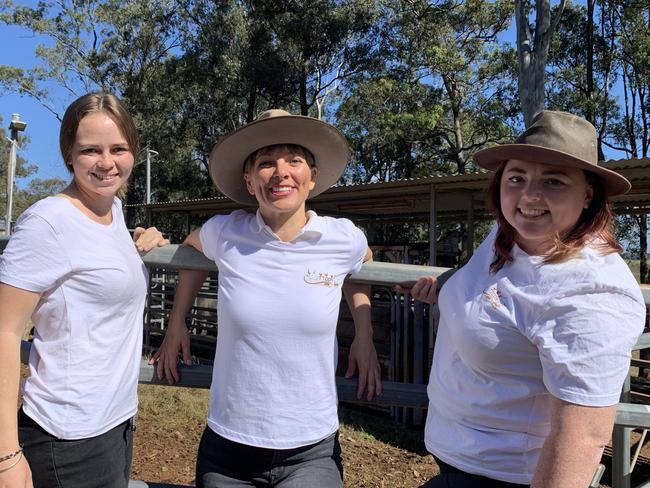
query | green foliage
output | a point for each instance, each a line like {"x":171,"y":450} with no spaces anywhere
{"x":193,"y":71}
{"x":453,"y":47}
{"x":321,"y":42}
{"x":392,"y":128}
{"x":571,"y":86}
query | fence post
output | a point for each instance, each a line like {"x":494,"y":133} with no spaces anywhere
{"x":621,"y":447}
{"x":418,"y":353}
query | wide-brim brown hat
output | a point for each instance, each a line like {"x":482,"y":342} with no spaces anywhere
{"x":558,"y":138}
{"x":326,"y":143}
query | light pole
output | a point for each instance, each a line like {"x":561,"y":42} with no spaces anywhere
{"x":150,"y":153}
{"x":16,"y":125}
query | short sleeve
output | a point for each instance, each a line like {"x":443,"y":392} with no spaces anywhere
{"x":34,"y":259}
{"x":358,"y":244}
{"x":210,"y":233}
{"x":585,"y":341}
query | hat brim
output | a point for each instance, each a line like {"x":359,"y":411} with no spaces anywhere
{"x":493,"y":157}
{"x":327,"y":144}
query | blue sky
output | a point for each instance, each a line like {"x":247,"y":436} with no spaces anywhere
{"x":18,"y":46}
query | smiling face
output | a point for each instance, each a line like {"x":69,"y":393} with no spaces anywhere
{"x":101,"y":159}
{"x":541,"y":201}
{"x":280,"y":178}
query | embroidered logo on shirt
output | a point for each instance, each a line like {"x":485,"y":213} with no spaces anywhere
{"x":493,"y":296}
{"x":324,"y":279}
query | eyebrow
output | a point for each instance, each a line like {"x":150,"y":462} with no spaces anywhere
{"x":95,"y":144}
{"x":263,"y":155}
{"x":548,"y":172}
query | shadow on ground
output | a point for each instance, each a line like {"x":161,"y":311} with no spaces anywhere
{"x":380,"y":426}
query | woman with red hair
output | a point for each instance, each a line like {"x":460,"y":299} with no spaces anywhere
{"x":536,"y":329}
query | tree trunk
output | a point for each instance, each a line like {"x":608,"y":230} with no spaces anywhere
{"x":608,"y":57}
{"x":532,"y":53}
{"x":304,"y":107}
{"x":591,"y":108}
{"x":250,"y":111}
{"x":452,"y":93}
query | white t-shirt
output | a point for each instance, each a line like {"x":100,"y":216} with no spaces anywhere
{"x":507,"y":341}
{"x":85,"y":357}
{"x":273,"y":382}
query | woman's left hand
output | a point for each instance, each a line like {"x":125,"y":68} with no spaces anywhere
{"x":424,"y":290}
{"x":146,"y":239}
{"x":363,"y":357}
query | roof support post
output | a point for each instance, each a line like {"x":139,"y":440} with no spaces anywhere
{"x":470,"y":226}
{"x":432,"y":225}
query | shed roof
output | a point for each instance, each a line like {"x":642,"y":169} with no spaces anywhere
{"x":410,"y":199}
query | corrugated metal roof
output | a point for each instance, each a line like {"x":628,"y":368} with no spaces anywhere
{"x":626,"y":165}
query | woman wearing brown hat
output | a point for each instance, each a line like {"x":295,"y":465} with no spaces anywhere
{"x":536,"y":329}
{"x":273,"y":409}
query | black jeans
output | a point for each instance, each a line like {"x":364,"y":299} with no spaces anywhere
{"x":451,"y":477}
{"x":103,"y":461}
{"x":222,"y":463}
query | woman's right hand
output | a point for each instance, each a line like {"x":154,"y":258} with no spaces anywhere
{"x":177,"y":338}
{"x":425,"y":289}
{"x":20,"y":476}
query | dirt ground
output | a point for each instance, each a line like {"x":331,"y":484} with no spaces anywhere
{"x":377,"y":452}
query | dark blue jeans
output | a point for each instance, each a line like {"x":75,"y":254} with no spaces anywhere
{"x":451,"y":477}
{"x":222,"y":463}
{"x":103,"y":461}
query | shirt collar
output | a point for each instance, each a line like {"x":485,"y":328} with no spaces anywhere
{"x":313,"y":227}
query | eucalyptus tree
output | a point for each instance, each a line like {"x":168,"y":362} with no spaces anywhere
{"x":118,"y":46}
{"x":391,"y":124}
{"x":453,"y":46}
{"x":582,"y":67}
{"x":322,"y":42}
{"x":106,"y":45}
{"x":631,"y":132}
